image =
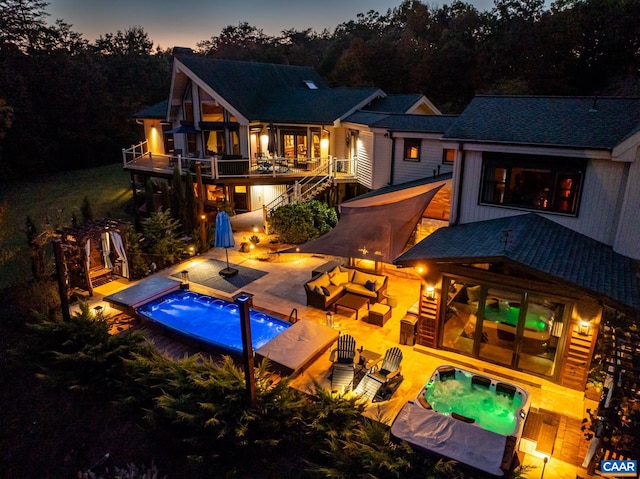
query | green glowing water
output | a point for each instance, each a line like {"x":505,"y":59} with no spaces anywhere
{"x":491,"y":411}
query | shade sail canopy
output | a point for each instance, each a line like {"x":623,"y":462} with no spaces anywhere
{"x":376,"y":228}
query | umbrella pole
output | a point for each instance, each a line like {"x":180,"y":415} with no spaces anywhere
{"x":226,"y":250}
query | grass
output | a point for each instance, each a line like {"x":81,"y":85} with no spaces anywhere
{"x":50,"y":202}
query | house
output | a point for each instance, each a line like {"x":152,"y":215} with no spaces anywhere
{"x":263,"y":134}
{"x":543,"y":240}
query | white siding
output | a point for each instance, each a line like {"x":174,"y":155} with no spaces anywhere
{"x":430,"y":163}
{"x":365,"y":159}
{"x":264,"y":194}
{"x":627,"y":241}
{"x":381,"y":160}
{"x":600,"y":200}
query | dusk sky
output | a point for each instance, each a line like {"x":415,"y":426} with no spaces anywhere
{"x":185,"y":22}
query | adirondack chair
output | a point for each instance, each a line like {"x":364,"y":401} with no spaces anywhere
{"x":342,"y":357}
{"x":374,"y":384}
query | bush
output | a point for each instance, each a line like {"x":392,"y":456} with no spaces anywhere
{"x":302,"y":222}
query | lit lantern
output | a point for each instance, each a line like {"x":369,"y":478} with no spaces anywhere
{"x":583,"y":327}
{"x":184,"y":279}
{"x":431,"y":292}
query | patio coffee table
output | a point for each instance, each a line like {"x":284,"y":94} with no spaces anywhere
{"x":353,"y":302}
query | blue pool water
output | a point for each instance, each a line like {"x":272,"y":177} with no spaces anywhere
{"x":210,"y":320}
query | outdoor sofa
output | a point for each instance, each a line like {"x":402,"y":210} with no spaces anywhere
{"x":326,"y":288}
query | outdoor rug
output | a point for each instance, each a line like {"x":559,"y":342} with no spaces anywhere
{"x":207,"y":274}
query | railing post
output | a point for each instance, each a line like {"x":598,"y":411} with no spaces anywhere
{"x":124,"y":157}
{"x":273,"y":165}
{"x":330,"y":163}
{"x":180,"y":164}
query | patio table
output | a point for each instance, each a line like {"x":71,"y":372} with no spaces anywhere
{"x":353,"y":302}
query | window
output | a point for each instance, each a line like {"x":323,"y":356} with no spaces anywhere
{"x":411,"y":150}
{"x":448,"y":155}
{"x":532,"y":182}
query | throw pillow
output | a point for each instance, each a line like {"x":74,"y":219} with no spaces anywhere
{"x":339,"y":278}
{"x":326,"y":291}
{"x":370,"y":285}
{"x":317,"y":289}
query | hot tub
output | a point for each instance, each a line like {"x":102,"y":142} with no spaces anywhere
{"x":472,"y":418}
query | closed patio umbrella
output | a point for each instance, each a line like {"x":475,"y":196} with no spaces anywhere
{"x":272,"y":147}
{"x":224,"y":239}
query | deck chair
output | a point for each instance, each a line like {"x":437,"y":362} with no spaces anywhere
{"x":377,"y":381}
{"x":342,"y":357}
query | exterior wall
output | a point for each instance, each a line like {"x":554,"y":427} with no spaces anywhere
{"x":382,"y":161}
{"x":600,"y":201}
{"x":153,"y":134}
{"x":626,"y":241}
{"x":365,"y":173}
{"x":430,"y":163}
{"x":264,"y":194}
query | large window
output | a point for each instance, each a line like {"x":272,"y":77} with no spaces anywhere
{"x":411,"y":149}
{"x":532,"y":183}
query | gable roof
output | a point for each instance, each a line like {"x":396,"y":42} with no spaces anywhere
{"x":576,"y":122}
{"x":394,"y":103}
{"x":403,"y":122}
{"x":157,"y":111}
{"x":270,"y":92}
{"x":539,"y":244}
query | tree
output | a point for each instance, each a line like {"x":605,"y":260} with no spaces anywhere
{"x":22,"y":23}
{"x":162,"y":238}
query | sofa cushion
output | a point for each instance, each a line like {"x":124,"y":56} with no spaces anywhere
{"x":361,"y":278}
{"x":350,"y":271}
{"x":339,"y":278}
{"x":360,"y":289}
{"x":322,"y":280}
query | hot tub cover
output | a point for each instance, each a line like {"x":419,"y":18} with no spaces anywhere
{"x":449,"y":437}
{"x":143,"y":292}
{"x":295,"y":347}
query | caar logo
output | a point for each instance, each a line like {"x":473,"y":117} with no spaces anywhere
{"x":626,"y":468}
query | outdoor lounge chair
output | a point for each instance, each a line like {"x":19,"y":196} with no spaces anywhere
{"x":380,"y":383}
{"x":342,"y":357}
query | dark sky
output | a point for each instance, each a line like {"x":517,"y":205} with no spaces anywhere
{"x":185,"y":22}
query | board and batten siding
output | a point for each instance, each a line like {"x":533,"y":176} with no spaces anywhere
{"x":430,"y":163}
{"x":264,"y":194}
{"x":627,"y":241}
{"x":365,"y":159}
{"x":600,"y":200}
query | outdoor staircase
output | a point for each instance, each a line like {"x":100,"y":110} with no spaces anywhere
{"x":427,"y":334}
{"x":576,"y":364}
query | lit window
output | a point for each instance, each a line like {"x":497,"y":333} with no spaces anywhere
{"x":448,"y":155}
{"x":532,"y":183}
{"x":412,"y":149}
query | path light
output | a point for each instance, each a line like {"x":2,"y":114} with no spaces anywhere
{"x":329,"y":319}
{"x":98,"y":312}
{"x":184,"y":279}
{"x":583,"y":327}
{"x":431,"y":291}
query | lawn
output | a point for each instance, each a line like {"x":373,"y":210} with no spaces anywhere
{"x":50,"y":202}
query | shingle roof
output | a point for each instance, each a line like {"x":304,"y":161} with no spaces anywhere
{"x":159,"y":110}
{"x":538,"y":243}
{"x":394,"y":103}
{"x":581,"y":122}
{"x":269,"y":92}
{"x":403,"y":122}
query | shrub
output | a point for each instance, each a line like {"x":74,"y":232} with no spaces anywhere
{"x":302,"y":222}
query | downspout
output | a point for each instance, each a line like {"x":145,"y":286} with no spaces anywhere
{"x":456,"y":218}
{"x":389,"y":134}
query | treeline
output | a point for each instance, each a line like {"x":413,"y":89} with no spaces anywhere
{"x":67,"y":103}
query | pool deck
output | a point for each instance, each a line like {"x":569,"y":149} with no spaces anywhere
{"x":281,"y":292}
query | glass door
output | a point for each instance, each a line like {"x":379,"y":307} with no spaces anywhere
{"x":500,"y":319}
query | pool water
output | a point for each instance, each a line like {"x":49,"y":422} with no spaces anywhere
{"x":491,"y":411}
{"x":213,"y":321}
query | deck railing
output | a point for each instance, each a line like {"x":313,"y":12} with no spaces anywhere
{"x":138,"y":157}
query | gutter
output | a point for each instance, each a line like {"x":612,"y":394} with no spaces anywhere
{"x":389,"y":134}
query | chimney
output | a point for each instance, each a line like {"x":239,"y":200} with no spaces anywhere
{"x":182,"y":51}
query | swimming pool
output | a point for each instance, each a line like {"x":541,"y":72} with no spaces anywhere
{"x":469,"y":417}
{"x":212,"y":321}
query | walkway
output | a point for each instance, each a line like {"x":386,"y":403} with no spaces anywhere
{"x":280,"y":291}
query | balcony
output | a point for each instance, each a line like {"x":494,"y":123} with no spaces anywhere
{"x":139,"y":159}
